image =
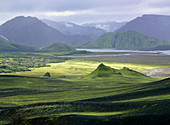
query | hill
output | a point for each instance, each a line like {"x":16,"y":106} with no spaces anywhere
{"x":106,"y":71}
{"x":156,"y":26}
{"x":69,"y":28}
{"x":7,"y":46}
{"x":126,"y":40}
{"x":58,"y":47}
{"x":33,"y":32}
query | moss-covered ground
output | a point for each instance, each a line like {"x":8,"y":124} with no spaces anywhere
{"x":70,"y":95}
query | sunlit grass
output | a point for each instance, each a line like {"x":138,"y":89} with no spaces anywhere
{"x":94,"y":113}
{"x":78,"y":67}
{"x":34,"y":90}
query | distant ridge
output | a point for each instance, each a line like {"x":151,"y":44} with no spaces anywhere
{"x":156,"y":26}
{"x":69,"y":28}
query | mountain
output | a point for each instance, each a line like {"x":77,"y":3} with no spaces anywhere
{"x":58,"y":47}
{"x":68,"y":28}
{"x":106,"y":71}
{"x":156,"y":26}
{"x":33,"y":32}
{"x":126,"y":40}
{"x":107,"y":26}
{"x":7,"y":46}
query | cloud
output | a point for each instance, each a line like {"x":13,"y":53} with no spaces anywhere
{"x":83,"y":10}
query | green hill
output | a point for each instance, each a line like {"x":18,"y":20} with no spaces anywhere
{"x":129,"y":72}
{"x":58,"y":47}
{"x":106,"y":71}
{"x":126,"y":40}
{"x":7,"y":46}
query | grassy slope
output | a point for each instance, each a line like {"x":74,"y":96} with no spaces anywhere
{"x":80,"y":67}
{"x":58,"y":47}
{"x":125,"y":40}
{"x":7,"y":46}
{"x":110,"y":95}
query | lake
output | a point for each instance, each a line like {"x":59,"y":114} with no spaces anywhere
{"x":164,"y":52}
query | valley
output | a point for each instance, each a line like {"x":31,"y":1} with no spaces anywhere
{"x":83,"y":89}
{"x":120,"y":73}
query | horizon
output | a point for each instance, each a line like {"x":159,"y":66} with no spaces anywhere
{"x":83,"y":23}
{"x":84,"y":11}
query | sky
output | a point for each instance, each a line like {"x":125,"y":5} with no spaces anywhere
{"x":82,"y":11}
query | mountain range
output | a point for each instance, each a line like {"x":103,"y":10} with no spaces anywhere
{"x":33,"y":32}
{"x":145,"y":32}
{"x":69,"y":28}
{"x":156,"y":26}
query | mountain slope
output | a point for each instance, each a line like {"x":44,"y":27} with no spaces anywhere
{"x":68,"y":28}
{"x":58,"y":47}
{"x":33,"y":32}
{"x":7,"y":46}
{"x":125,"y":40}
{"x":156,"y":26}
{"x":107,"y":26}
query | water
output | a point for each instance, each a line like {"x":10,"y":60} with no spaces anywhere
{"x":163,"y":52}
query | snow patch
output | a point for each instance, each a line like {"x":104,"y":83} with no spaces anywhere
{"x":4,"y":37}
{"x":68,"y":25}
{"x":103,"y":26}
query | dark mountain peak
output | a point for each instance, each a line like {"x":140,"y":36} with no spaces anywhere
{"x":30,"y":31}
{"x":156,"y":26}
{"x":33,"y":32}
{"x":23,"y":19}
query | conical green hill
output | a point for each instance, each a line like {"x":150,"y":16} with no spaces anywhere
{"x":104,"y":71}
